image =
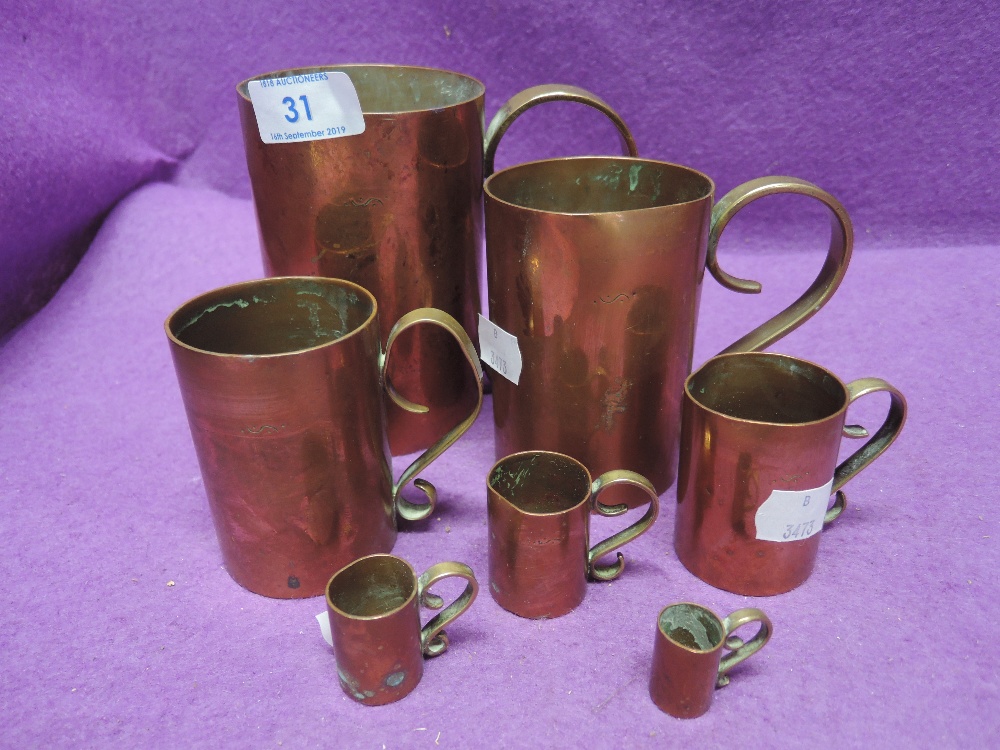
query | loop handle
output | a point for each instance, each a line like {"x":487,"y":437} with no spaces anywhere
{"x":826,"y":283}
{"x":740,"y":650}
{"x":522,"y":102}
{"x":406,"y":509}
{"x":608,"y":479}
{"x":871,"y":450}
{"x":433,"y":639}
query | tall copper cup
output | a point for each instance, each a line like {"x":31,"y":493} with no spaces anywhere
{"x":595,"y":264}
{"x":282,"y":381}
{"x":759,"y":445}
{"x":397,"y":209}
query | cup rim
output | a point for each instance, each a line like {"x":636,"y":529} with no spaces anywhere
{"x":380,"y":615}
{"x":769,"y":355}
{"x":550,"y":514}
{"x":703,"y":608}
{"x":243,"y":85}
{"x":168,"y":324}
{"x":598,"y":158}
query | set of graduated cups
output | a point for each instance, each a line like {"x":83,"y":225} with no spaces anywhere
{"x":298,"y":390}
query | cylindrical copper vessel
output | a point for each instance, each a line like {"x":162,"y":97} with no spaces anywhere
{"x":539,"y":506}
{"x":687,"y":655}
{"x":374,"y":608}
{"x":283,"y":386}
{"x":762,"y":430}
{"x":397,"y":209}
{"x":595,"y":264}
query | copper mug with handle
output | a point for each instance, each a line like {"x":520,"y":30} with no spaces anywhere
{"x":374,"y":608}
{"x":397,"y":209}
{"x":595,"y":265}
{"x":283,"y":382}
{"x":759,"y":444}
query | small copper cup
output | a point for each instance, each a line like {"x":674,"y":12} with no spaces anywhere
{"x":283,"y":384}
{"x":688,"y":664}
{"x":759,"y":445}
{"x":397,"y":209}
{"x":539,"y":506}
{"x":374,"y":606}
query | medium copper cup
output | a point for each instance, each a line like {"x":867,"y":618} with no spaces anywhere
{"x":397,"y":209}
{"x":688,"y":664}
{"x":374,"y":606}
{"x":539,"y":508}
{"x":761,"y":434}
{"x":595,"y":264}
{"x":282,"y":380}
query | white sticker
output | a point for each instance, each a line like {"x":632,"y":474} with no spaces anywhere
{"x":499,"y":350}
{"x":791,"y":515}
{"x":307,"y":107}
{"x":323,"y":618}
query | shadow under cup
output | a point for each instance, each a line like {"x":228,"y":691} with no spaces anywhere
{"x":281,"y":384}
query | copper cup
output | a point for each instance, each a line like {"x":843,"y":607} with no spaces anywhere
{"x":282,"y":380}
{"x":539,"y":506}
{"x":397,"y":209}
{"x":374,"y":606}
{"x":761,"y":435}
{"x":688,"y":664}
{"x":595,"y":264}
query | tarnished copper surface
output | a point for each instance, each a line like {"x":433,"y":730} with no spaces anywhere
{"x":539,"y":506}
{"x":754,"y":423}
{"x":596,"y":264}
{"x":687,"y":655}
{"x":397,"y":209}
{"x":282,"y":383}
{"x":374,"y":606}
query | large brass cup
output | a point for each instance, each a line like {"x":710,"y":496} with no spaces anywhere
{"x":283,"y":383}
{"x":595,"y":264}
{"x":397,"y":209}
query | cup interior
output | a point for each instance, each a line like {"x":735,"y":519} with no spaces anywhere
{"x":394,"y":89}
{"x":693,"y":627}
{"x":588,"y":185}
{"x":272,"y":316}
{"x":770,"y":388}
{"x":372,"y":586}
{"x":540,"y":483}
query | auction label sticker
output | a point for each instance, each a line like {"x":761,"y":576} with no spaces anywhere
{"x":499,"y":350}
{"x":306,"y":107}
{"x":792,"y":515}
{"x":323,"y":618}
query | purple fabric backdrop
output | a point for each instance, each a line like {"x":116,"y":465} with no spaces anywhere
{"x":120,"y":138}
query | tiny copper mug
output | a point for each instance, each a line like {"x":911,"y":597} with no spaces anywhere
{"x":688,"y":664}
{"x":539,"y":508}
{"x":759,"y":445}
{"x":374,"y":606}
{"x":595,"y":264}
{"x":282,"y":380}
{"x":397,"y":209}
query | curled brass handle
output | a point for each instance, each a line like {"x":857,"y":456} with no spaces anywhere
{"x":607,"y":479}
{"x":413,"y":511}
{"x":740,"y":650}
{"x":871,"y":450}
{"x":433,"y":639}
{"x":522,"y":102}
{"x":818,"y":294}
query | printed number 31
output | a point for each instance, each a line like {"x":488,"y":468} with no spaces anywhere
{"x":293,"y":115}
